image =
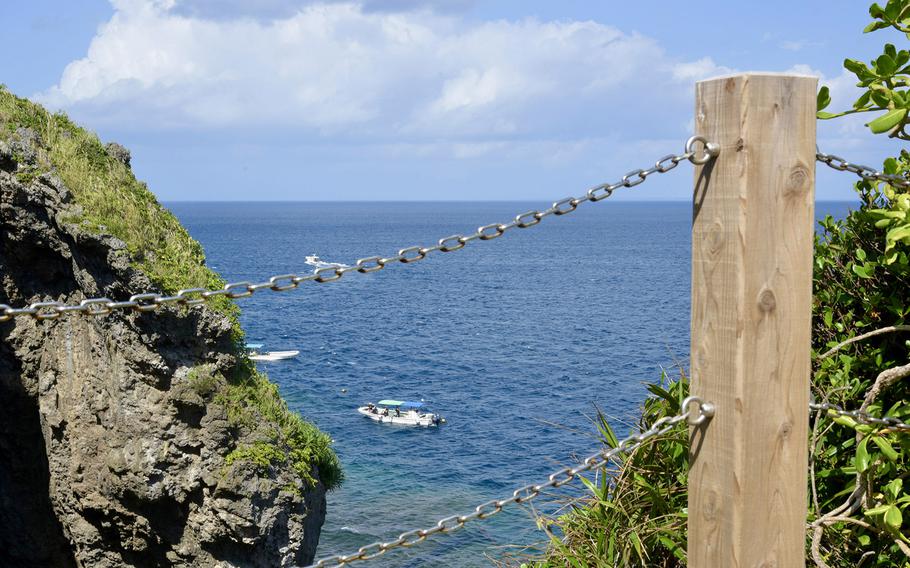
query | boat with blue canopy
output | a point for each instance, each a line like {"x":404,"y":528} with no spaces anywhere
{"x":404,"y":412}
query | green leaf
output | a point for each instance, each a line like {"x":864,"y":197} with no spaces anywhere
{"x":875,"y":26}
{"x":893,"y":517}
{"x":861,"y":254}
{"x":894,"y":488}
{"x":885,"y":65}
{"x":853,"y":65}
{"x":898,"y":233}
{"x":862,"y":101}
{"x":887,"y":121}
{"x":845,"y":421}
{"x":863,"y":459}
{"x":859,"y":68}
{"x":636,"y":542}
{"x":885,"y":447}
{"x":880,"y":510}
{"x":881,"y":97}
{"x":823,"y":99}
{"x":864,"y":271}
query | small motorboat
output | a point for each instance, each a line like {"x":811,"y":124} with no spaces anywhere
{"x":255,"y":353}
{"x":314,"y":260}
{"x":401,"y":412}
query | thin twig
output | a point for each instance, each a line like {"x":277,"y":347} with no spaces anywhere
{"x":816,"y":546}
{"x":889,"y":329}
{"x":812,"y":462}
{"x":884,"y":380}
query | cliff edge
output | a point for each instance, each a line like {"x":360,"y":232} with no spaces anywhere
{"x":131,"y":439}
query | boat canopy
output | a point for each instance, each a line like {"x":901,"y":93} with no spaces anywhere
{"x":254,"y":345}
{"x":400,"y":403}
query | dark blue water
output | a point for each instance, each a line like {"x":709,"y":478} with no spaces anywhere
{"x":513,"y":340}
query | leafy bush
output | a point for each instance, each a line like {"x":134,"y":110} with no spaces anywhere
{"x":635,"y":514}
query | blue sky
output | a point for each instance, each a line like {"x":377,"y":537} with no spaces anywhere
{"x":418,"y":99}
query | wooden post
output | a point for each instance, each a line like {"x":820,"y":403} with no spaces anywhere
{"x":752,"y":238}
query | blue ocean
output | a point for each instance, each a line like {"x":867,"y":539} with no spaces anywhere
{"x":516,"y":341}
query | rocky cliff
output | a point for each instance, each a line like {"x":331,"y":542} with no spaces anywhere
{"x":132,"y":439}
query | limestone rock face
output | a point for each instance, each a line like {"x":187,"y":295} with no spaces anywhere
{"x":108,"y":455}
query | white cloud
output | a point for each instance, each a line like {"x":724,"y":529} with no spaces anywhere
{"x":277,"y":9}
{"x":703,"y":68}
{"x":340,"y":69}
{"x":799,"y":45}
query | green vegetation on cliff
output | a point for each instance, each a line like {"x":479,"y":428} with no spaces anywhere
{"x":114,"y":202}
{"x":112,"y":199}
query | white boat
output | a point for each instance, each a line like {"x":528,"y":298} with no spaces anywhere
{"x":401,"y":412}
{"x":314,"y":260}
{"x":255,"y":353}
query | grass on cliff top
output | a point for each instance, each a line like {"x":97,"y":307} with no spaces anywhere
{"x":115,"y":202}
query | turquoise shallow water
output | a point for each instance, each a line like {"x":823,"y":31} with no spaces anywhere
{"x":513,"y":340}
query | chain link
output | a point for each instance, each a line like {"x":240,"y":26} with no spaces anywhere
{"x":865,"y":172}
{"x":862,"y":417}
{"x":695,"y":412}
{"x":150,"y":302}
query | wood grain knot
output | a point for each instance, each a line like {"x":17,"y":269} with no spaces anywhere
{"x":740,"y":145}
{"x":715,"y":237}
{"x":709,"y":505}
{"x":784,"y":432}
{"x":767,"y":301}
{"x":700,"y":359}
{"x":797,"y":182}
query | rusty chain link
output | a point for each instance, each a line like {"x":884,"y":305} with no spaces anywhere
{"x":695,"y":411}
{"x":149,"y":302}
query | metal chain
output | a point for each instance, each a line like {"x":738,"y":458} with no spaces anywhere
{"x":865,"y":172}
{"x":862,"y":417}
{"x":695,"y":414}
{"x":150,"y":302}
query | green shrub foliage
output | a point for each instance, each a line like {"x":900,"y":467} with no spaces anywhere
{"x":859,"y":491}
